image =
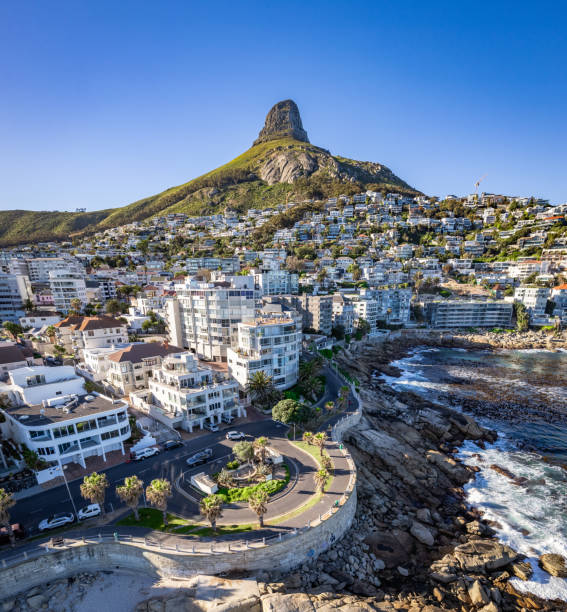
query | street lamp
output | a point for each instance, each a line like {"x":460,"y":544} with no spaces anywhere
{"x":63,"y":468}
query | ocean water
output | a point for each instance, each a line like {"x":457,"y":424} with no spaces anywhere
{"x":527,"y":394}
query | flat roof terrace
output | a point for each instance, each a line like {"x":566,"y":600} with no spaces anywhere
{"x":37,"y":415}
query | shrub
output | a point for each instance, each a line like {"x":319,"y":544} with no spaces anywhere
{"x":232,"y":465}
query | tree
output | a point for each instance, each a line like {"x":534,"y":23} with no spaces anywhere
{"x":522,"y":317}
{"x":211,"y":509}
{"x":14,"y":329}
{"x":76,"y":305}
{"x":338,"y":332}
{"x":261,"y":388}
{"x":224,"y":478}
{"x":329,"y":405}
{"x":319,"y":440}
{"x":158,"y":493}
{"x":261,"y":447}
{"x":313,"y":387}
{"x":28,"y":305}
{"x":286,"y":411}
{"x":320,"y":478}
{"x":130,"y":493}
{"x":113,"y":307}
{"x":308,"y":437}
{"x":310,"y":368}
{"x":93,"y":489}
{"x":6,"y":502}
{"x":50,"y":332}
{"x":258,"y":503}
{"x":244,"y":451}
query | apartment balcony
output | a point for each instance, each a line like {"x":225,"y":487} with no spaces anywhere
{"x":74,"y":448}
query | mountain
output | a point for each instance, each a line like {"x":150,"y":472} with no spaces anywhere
{"x":282,"y":165}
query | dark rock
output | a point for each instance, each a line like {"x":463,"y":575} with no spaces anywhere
{"x":282,"y":121}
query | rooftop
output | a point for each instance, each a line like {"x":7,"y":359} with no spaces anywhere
{"x":37,"y":414}
{"x":137,"y":352}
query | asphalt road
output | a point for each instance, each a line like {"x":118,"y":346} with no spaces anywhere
{"x":170,"y":464}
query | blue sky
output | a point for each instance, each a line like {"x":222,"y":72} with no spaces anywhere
{"x":103,"y":103}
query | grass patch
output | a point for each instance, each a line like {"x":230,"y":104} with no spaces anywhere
{"x":241,"y":494}
{"x":204,"y":532}
{"x":153,"y":519}
{"x":314,"y":452}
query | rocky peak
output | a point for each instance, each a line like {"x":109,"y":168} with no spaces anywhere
{"x":282,"y":121}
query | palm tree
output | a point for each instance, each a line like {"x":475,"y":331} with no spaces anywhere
{"x":6,"y":502}
{"x":321,"y":479}
{"x":329,"y":405}
{"x":130,"y":493}
{"x":261,"y":388}
{"x":211,"y":509}
{"x":158,"y":493}
{"x":260,"y":445}
{"x":94,"y":488}
{"x":310,"y":368}
{"x":76,"y":305}
{"x":319,"y":440}
{"x":308,"y":437}
{"x":50,"y":333}
{"x":312,"y":386}
{"x":224,"y":478}
{"x":258,"y":503}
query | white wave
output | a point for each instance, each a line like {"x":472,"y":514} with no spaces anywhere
{"x":529,"y":518}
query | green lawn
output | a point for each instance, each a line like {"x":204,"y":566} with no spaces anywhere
{"x":153,"y":519}
{"x":314,"y":452}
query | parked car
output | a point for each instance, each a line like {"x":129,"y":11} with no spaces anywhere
{"x":235,"y":435}
{"x":144,"y":453}
{"x":200,"y":457}
{"x":211,"y":426}
{"x":17,"y":529}
{"x":227,"y":418}
{"x":88,"y":512}
{"x":56,"y":520}
{"x":171,"y":444}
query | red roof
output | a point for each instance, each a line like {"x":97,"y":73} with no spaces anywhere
{"x":562,"y":287}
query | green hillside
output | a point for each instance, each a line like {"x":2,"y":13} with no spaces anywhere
{"x":237,"y":184}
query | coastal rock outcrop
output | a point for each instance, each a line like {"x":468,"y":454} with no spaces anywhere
{"x":553,"y":564}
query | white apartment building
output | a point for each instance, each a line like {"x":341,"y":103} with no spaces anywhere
{"x":276,"y":282}
{"x":343,"y":312}
{"x":131,"y":367}
{"x":204,"y":316}
{"x":52,"y":415}
{"x":11,"y":297}
{"x":66,"y":286}
{"x":187,"y":393}
{"x":38,"y":268}
{"x":77,"y":333}
{"x":533,"y":298}
{"x":270,"y":343}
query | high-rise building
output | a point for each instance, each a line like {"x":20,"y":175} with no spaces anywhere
{"x":271,"y":344}
{"x":204,"y":316}
{"x":65,"y":287}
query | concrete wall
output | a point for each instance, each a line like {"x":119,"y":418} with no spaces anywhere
{"x":290,"y":552}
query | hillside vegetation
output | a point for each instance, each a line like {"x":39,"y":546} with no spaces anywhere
{"x":301,"y":171}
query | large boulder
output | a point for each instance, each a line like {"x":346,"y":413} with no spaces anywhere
{"x":554,"y":564}
{"x":422,"y":533}
{"x":483,"y":555}
{"x":393,"y":547}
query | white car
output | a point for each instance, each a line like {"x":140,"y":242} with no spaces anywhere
{"x":235,"y":435}
{"x":211,"y":426}
{"x":144,"y":453}
{"x":88,"y":512}
{"x":56,"y":520}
